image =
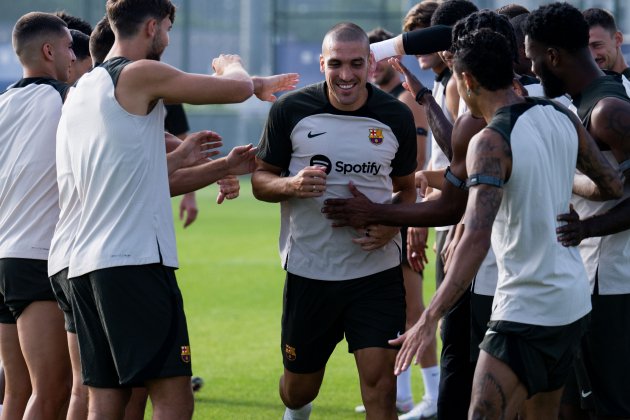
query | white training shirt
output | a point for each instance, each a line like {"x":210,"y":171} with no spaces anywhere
{"x":119,"y":167}
{"x":607,"y":257}
{"x":69,"y":206}
{"x":29,"y":115}
{"x":541,"y":282}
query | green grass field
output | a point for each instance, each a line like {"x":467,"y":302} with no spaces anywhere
{"x":232,"y":282}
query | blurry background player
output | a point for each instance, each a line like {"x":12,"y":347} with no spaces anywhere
{"x":81,"y":48}
{"x":413,"y":239}
{"x":604,"y":41}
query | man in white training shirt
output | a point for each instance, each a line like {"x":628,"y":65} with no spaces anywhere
{"x":128,"y":310}
{"x":32,"y":339}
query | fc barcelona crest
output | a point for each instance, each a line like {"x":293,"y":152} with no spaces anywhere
{"x":186,"y":354}
{"x":376,"y":136}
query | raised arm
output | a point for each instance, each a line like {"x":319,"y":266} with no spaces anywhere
{"x":145,"y":81}
{"x":440,"y":125}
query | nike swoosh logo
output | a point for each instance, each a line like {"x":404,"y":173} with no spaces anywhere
{"x":586,"y":394}
{"x":311,"y":135}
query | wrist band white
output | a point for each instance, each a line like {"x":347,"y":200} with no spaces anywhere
{"x":384,"y":49}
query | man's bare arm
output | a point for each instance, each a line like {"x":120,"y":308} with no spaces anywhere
{"x":446,"y":210}
{"x":239,"y":161}
{"x":601,"y":180}
{"x":610,"y":121}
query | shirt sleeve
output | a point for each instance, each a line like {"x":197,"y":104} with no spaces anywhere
{"x":404,"y":162}
{"x":275,"y":147}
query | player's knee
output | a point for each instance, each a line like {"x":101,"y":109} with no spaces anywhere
{"x":295,"y":397}
{"x":379,"y":389}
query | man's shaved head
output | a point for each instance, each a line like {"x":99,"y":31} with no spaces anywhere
{"x":345,"y":32}
{"x":33,"y":29}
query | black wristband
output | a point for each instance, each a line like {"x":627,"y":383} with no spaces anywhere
{"x":421,"y":94}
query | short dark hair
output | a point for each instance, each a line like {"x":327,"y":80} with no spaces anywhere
{"x":101,"y":40}
{"x":489,"y":20}
{"x":512,"y":10}
{"x":80,"y":44}
{"x":600,"y":17}
{"x":449,"y":12}
{"x":125,"y":16}
{"x":35,"y":24}
{"x":379,"y":34}
{"x":75,"y":22}
{"x":419,"y":16}
{"x":485,"y":54}
{"x":558,"y":25}
{"x":347,"y":32}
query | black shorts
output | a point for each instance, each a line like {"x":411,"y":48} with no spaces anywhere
{"x":62,"y":290}
{"x":22,"y":282}
{"x":601,"y":380}
{"x":541,"y":357}
{"x":480,"y":311}
{"x":130,"y":326}
{"x":317,"y":313}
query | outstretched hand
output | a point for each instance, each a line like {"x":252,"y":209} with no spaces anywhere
{"x":355,"y":211}
{"x":411,"y":83}
{"x":572,"y":233}
{"x":241,"y":161}
{"x":266,"y":86}
{"x":414,"y":343}
{"x":198,"y":147}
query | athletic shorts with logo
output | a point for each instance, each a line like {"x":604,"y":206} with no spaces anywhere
{"x":540,"y":356}
{"x":22,"y":282}
{"x":131,"y":326}
{"x":317,"y":314}
{"x":601,"y":378}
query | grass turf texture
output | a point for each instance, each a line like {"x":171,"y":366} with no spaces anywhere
{"x":232,"y":284}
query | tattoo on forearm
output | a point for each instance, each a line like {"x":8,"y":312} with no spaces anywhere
{"x":441,"y":127}
{"x":489,"y":400}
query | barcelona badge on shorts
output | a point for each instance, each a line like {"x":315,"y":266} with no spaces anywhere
{"x":289,"y":352}
{"x":376,"y":136}
{"x":186,"y":354}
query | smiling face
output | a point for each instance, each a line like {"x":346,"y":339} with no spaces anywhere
{"x":345,"y":65}
{"x":604,"y":47}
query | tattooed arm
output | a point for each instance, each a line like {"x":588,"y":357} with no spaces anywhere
{"x":447,"y":210}
{"x":610,"y":125}
{"x":600,"y":180}
{"x":488,"y":154}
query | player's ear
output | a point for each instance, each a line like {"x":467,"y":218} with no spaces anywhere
{"x":151,"y":27}
{"x":47,"y":51}
{"x":322,"y":63}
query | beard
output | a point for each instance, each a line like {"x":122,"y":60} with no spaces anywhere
{"x":156,"y":50}
{"x":553,"y":86}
